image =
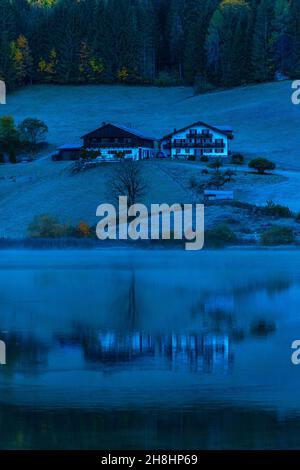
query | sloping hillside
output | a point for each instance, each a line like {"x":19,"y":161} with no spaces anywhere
{"x":263,"y":117}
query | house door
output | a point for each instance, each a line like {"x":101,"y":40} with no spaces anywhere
{"x":198,"y":153}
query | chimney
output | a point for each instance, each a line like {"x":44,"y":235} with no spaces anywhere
{"x":175,"y":130}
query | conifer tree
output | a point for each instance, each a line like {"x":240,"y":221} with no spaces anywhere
{"x":261,"y":57}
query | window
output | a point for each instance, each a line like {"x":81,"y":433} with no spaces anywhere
{"x":219,"y":141}
{"x":127,"y":140}
{"x":187,"y":150}
{"x":177,"y":151}
{"x":193,"y":131}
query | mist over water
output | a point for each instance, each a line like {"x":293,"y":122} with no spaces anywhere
{"x":149,"y":349}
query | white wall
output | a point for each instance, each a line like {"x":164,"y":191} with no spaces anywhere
{"x":105,"y":152}
{"x":207,"y":152}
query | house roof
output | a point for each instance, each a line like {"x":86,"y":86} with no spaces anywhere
{"x":131,"y":130}
{"x":70,"y":147}
{"x":222,"y":129}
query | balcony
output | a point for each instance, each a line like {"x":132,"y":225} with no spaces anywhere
{"x":108,"y":145}
{"x":198,"y":135}
{"x":187,"y":145}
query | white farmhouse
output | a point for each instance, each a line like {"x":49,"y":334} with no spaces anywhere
{"x":111,"y":139}
{"x":197,"y":140}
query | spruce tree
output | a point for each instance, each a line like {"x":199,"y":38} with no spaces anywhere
{"x":261,"y":57}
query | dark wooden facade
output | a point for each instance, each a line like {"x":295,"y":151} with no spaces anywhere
{"x":114,"y":136}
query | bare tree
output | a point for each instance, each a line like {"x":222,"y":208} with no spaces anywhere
{"x":127,"y":180}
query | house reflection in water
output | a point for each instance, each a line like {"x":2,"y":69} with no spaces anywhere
{"x":197,"y":352}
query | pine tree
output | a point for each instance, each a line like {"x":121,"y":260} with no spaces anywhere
{"x":197,"y":15}
{"x":7,"y":34}
{"x":261,"y":57}
{"x":227,"y":43}
{"x":147,"y":44}
{"x":67,"y":42}
{"x":294,"y":33}
{"x":282,"y":43}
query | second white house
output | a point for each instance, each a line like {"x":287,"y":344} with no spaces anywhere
{"x":197,"y":140}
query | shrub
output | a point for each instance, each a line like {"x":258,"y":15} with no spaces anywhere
{"x":47,"y":226}
{"x":83,"y":229}
{"x":277,"y":210}
{"x":88,"y":155}
{"x":12,"y":156}
{"x":204,"y":158}
{"x":201,"y":85}
{"x":191,"y":158}
{"x":237,"y":159}
{"x":205,"y":172}
{"x":193,"y":182}
{"x":219,"y":236}
{"x":297,"y":217}
{"x":165,"y":79}
{"x":277,"y":235}
{"x":261,"y":165}
{"x":2,"y":158}
{"x":216,"y":165}
{"x":229,"y":174}
{"x":120,"y":154}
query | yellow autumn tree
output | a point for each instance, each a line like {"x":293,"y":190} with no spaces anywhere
{"x":22,"y":60}
{"x":47,"y":68}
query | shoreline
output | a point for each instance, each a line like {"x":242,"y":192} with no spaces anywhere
{"x":46,"y":245}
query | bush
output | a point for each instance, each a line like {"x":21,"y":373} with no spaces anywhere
{"x":120,"y":154}
{"x":216,"y":165}
{"x":83,"y":229}
{"x":166,"y":79}
{"x":219,"y":236}
{"x":205,"y":171}
{"x":261,"y":165}
{"x":191,"y":158}
{"x":237,"y":159}
{"x":89,"y":155}
{"x":201,"y":85}
{"x":297,"y":217}
{"x":2,"y":158}
{"x":277,"y":210}
{"x":12,"y":156}
{"x":193,"y":183}
{"x":47,"y":226}
{"x":204,"y":158}
{"x":277,"y":235}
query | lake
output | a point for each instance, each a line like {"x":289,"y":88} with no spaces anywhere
{"x":149,"y":349}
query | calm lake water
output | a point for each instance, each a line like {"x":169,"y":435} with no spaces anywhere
{"x":128,"y":350}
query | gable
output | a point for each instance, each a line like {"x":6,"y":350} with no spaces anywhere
{"x":198,"y":124}
{"x":110,"y":131}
